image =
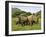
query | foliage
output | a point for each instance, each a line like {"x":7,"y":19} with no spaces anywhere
{"x":17,"y":12}
{"x":38,"y":14}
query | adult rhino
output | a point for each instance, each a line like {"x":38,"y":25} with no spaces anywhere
{"x":23,"y":20}
{"x":32,"y":19}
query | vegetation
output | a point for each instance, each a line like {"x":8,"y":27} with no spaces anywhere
{"x":17,"y":12}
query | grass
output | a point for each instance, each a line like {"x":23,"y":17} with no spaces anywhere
{"x":19,"y":27}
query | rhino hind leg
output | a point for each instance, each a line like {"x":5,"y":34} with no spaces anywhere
{"x":17,"y":23}
{"x":32,"y":23}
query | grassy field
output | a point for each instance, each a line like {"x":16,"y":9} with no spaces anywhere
{"x":26,"y":27}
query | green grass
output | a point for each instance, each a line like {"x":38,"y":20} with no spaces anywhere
{"x":19,"y":27}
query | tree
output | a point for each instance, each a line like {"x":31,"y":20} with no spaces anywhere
{"x":16,"y":12}
{"x":28,"y":13}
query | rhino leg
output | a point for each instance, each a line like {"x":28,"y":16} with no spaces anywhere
{"x":17,"y":23}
